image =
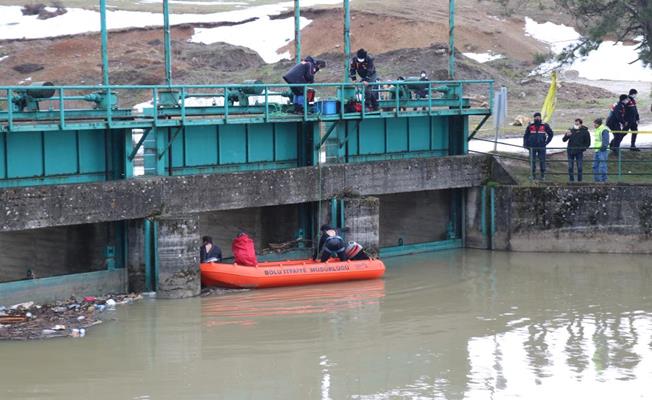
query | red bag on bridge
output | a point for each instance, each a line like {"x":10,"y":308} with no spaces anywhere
{"x":243,"y":249}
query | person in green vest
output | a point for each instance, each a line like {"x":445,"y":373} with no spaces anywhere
{"x":600,"y":143}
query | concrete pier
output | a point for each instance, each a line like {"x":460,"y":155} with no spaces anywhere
{"x":136,"y":255}
{"x":362,"y":217}
{"x":178,"y":251}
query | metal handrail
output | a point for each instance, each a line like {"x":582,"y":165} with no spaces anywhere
{"x":106,"y":109}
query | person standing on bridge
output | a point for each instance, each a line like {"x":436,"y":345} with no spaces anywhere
{"x":617,"y":123}
{"x":363,"y":65}
{"x":537,"y":136}
{"x":579,"y":139}
{"x":632,"y":118}
{"x":600,"y":141}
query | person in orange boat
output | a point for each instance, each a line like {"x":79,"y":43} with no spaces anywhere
{"x":355,"y":252}
{"x":333,"y":246}
{"x":243,"y":250}
{"x":208,"y":251}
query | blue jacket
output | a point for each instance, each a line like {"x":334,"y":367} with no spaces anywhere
{"x":537,"y":135}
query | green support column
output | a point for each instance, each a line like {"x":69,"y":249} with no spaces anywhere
{"x":451,"y":39}
{"x":166,"y":38}
{"x":347,"y":38}
{"x":297,"y":30}
{"x":105,"y":50}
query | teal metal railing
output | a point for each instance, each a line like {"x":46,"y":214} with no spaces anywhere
{"x":622,"y":166}
{"x":91,"y":107}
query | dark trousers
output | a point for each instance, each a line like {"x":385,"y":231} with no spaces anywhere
{"x":575,"y":158}
{"x":371,"y":97}
{"x":540,"y":154}
{"x":325,"y":255}
{"x":360,"y":256}
{"x":615,"y":142}
{"x":634,"y":127}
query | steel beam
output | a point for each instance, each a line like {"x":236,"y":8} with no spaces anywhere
{"x":297,"y":30}
{"x":105,"y":39}
{"x":451,"y":39}
{"x":166,"y":39}
{"x":347,"y":38}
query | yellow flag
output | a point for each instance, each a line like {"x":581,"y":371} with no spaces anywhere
{"x":551,"y":100}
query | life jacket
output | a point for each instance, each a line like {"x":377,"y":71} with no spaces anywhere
{"x":244,"y":252}
{"x":352,"y":249}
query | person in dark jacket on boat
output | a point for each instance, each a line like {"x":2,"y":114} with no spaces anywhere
{"x":322,"y":239}
{"x":579,"y":139}
{"x":334,"y":246}
{"x":355,"y":252}
{"x":208,"y":252}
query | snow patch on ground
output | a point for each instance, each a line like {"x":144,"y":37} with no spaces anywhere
{"x":197,"y":3}
{"x":3,"y":58}
{"x":557,"y":36}
{"x":483,"y":57}
{"x":15,"y":25}
{"x":610,"y":61}
{"x":265,"y":36}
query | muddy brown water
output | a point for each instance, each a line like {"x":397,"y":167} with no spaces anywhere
{"x":452,"y":325}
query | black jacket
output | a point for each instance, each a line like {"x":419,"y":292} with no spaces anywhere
{"x":304,"y":72}
{"x":215,"y":252}
{"x":616,"y":120}
{"x":631,"y":112}
{"x":579,"y":140}
{"x":537,"y":135}
{"x":366,"y":69}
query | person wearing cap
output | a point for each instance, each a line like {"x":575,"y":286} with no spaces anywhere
{"x":632,"y":118}
{"x":600,"y":142}
{"x":302,"y":73}
{"x":616,"y":122}
{"x":362,"y":64}
{"x":537,"y":136}
{"x":208,"y":252}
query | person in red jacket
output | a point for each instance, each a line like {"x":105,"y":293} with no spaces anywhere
{"x":243,"y":250}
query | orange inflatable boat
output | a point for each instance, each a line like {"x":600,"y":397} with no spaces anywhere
{"x":288,"y":273}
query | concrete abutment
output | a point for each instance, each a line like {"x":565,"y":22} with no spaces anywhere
{"x":178,"y":257}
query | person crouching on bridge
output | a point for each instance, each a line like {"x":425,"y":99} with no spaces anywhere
{"x":537,"y":136}
{"x":302,"y":73}
{"x":363,"y":65}
{"x":579,"y":139}
{"x":600,"y":143}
